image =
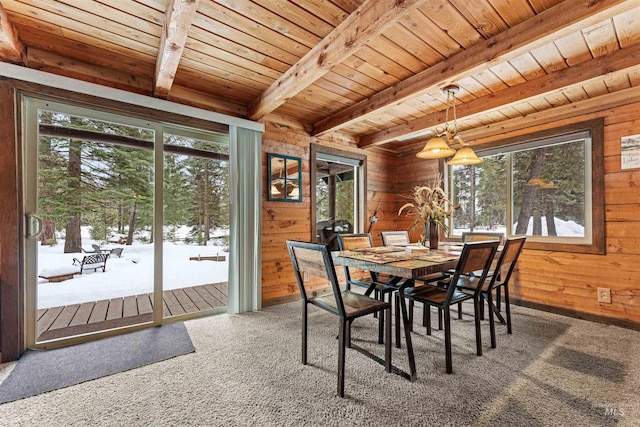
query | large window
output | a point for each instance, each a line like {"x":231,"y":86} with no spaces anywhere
{"x":547,"y":187}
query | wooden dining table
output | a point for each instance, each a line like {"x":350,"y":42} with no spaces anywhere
{"x":404,"y":265}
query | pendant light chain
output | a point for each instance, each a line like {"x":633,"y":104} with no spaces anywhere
{"x":455,"y":117}
{"x":446,"y":117}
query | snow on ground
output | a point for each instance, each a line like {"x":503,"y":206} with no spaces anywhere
{"x":563,"y":228}
{"x":130,"y":275}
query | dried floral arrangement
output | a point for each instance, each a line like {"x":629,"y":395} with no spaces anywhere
{"x":430,"y":205}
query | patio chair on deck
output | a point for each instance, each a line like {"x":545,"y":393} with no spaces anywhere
{"x":315,"y":260}
{"x":95,"y":249}
{"x":116,"y":252}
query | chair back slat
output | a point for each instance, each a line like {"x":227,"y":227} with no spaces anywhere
{"x":481,"y":236}
{"x":476,"y":256}
{"x":476,"y":260}
{"x":512,"y":250}
{"x":315,"y":260}
{"x":311,"y":262}
{"x":348,"y":242}
{"x":354,"y":241}
{"x":507,"y":261}
{"x":395,"y":238}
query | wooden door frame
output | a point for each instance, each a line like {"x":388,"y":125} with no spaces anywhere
{"x":362,"y":176}
{"x":12,"y":223}
{"x":11,"y":227}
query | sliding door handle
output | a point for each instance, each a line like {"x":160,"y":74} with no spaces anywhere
{"x":33,"y":225}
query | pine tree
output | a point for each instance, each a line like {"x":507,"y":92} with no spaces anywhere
{"x":492,"y":191}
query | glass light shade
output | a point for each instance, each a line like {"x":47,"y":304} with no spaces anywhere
{"x":465,"y":156}
{"x":436,"y":148}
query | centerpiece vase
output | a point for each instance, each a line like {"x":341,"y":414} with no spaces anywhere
{"x":434,"y":235}
{"x":424,"y":237}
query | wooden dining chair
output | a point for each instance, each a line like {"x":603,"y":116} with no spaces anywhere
{"x":475,"y":256}
{"x":401,"y":238}
{"x":395,"y":238}
{"x":382,"y":287}
{"x":498,"y":281}
{"x":314,"y":259}
{"x":349,"y":242}
{"x":480,"y":236}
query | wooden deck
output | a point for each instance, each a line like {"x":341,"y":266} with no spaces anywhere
{"x":76,"y":319}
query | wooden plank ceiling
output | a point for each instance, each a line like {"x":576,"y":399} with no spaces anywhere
{"x":371,"y":69}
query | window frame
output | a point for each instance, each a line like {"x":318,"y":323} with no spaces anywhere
{"x":285,"y":179}
{"x":360,"y":186}
{"x":596,"y":213}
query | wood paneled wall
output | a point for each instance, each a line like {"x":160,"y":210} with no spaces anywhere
{"x":413,"y":172}
{"x":569,"y":281}
{"x":282,"y":221}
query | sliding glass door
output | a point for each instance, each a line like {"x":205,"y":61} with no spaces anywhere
{"x":127,"y":221}
{"x":196,"y":222}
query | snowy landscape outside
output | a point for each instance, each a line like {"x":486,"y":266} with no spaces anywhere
{"x":132,"y":274}
{"x":563,"y":228}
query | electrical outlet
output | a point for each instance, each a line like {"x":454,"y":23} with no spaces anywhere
{"x":604,"y":295}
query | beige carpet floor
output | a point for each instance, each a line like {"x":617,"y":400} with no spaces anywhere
{"x":246,"y":371}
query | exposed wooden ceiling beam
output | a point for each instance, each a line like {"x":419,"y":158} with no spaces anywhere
{"x":563,"y":19}
{"x":596,"y":68}
{"x":369,"y":20}
{"x":188,"y":96}
{"x":11,"y":48}
{"x":178,"y":17}
{"x":53,"y":63}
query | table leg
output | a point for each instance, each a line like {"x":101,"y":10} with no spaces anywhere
{"x":492,"y":306}
{"x":380,"y":295}
{"x":381,"y":318}
{"x":397,"y":311}
{"x":495,"y":309}
{"x":370,"y":289}
{"x":407,"y":329}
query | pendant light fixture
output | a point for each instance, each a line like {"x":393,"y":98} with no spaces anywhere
{"x":439,"y":146}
